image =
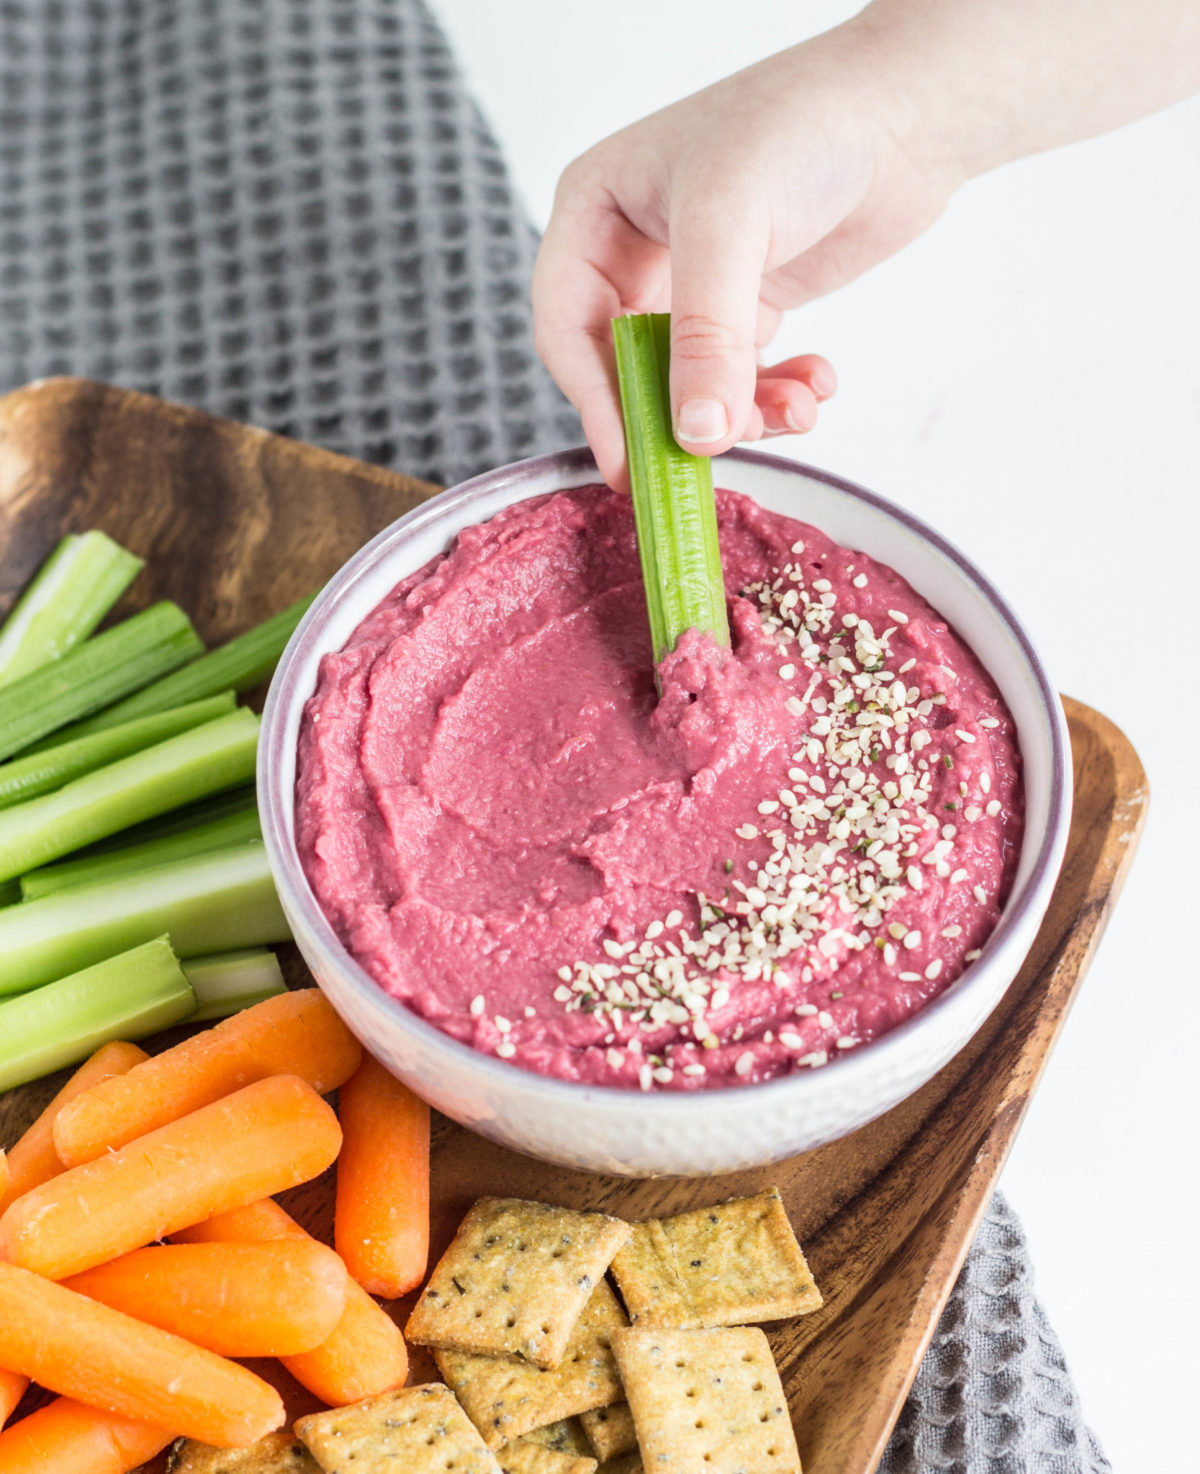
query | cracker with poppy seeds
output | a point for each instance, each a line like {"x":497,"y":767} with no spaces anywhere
{"x":733,"y":1264}
{"x":515,"y":1280}
{"x":277,"y":1453}
{"x":707,"y":1399}
{"x":523,"y":1457}
{"x":566,"y":1436}
{"x":506,"y":1399}
{"x":419,"y":1429}
{"x":610,"y":1431}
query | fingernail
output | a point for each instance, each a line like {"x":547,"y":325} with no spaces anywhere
{"x":794,"y":425}
{"x":701,"y":421}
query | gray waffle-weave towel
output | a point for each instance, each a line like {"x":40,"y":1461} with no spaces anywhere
{"x":290,"y":212}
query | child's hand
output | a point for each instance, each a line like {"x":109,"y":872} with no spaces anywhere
{"x":733,"y":205}
{"x":798,"y":174}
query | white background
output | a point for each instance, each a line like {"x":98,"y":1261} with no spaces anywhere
{"x":1027,"y":378}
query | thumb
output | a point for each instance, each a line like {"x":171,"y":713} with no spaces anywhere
{"x":717,"y":261}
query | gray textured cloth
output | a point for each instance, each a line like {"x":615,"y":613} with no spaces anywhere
{"x":289,"y":212}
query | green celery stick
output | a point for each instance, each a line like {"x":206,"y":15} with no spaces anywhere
{"x":192,"y":765}
{"x":220,"y":806}
{"x":214,"y":903}
{"x":229,"y":981}
{"x":94,"y":674}
{"x":245,"y":661}
{"x":221,"y":833}
{"x":70,"y":594}
{"x":43,"y":772}
{"x":673,"y":505}
{"x":123,"y":997}
{"x":10,"y":892}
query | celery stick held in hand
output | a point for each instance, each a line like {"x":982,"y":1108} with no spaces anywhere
{"x":794,"y":176}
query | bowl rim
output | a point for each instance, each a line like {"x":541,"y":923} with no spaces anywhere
{"x":298,"y":898}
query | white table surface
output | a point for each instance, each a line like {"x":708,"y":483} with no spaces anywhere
{"x":1027,"y":378}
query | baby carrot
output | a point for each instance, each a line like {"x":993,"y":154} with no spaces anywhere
{"x":69,"y":1438}
{"x":290,"y":1034}
{"x":33,"y":1160}
{"x":364,"y":1356}
{"x":381,"y":1226}
{"x":234,"y":1299}
{"x":82,"y":1349}
{"x":12,"y":1390}
{"x":270,"y":1136}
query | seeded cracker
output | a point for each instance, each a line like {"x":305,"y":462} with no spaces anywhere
{"x":277,"y":1453}
{"x":566,"y":1436}
{"x":421,"y":1430}
{"x":610,"y":1431}
{"x":515,"y":1279}
{"x":505,"y":1399}
{"x":707,"y":1399}
{"x":734,"y":1264}
{"x":523,"y":1457}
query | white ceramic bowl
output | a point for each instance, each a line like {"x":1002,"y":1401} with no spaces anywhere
{"x":630,"y":1132}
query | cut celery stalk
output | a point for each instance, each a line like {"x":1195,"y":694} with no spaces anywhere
{"x":190,"y":766}
{"x":215,"y":903}
{"x":243,"y":662}
{"x":100,"y":671}
{"x":230,"y":981}
{"x":221,"y":833}
{"x":220,"y":806}
{"x":122,"y":997}
{"x":673,"y":505}
{"x":69,"y":595}
{"x":42,"y":772}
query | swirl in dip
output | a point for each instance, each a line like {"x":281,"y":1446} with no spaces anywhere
{"x":804,"y":841}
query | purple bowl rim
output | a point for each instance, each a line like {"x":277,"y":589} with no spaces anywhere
{"x":282,"y":852}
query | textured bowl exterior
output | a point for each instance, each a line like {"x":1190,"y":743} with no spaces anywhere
{"x":630,"y":1132}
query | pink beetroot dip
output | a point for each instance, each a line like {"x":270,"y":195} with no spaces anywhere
{"x":799,"y":846}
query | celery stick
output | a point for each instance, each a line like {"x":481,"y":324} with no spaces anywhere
{"x":10,"y":892}
{"x":214,"y":903}
{"x":673,"y":503}
{"x":221,"y":833}
{"x":244,"y":662}
{"x":100,"y":671}
{"x":70,"y":594}
{"x":189,"y":766}
{"x":43,"y":772}
{"x":237,"y":801}
{"x":229,"y":981}
{"x":123,"y":997}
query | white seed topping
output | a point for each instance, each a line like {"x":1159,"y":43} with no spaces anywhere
{"x":477,"y":1003}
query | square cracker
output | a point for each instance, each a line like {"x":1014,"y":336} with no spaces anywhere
{"x":419,"y":1429}
{"x":277,"y":1453}
{"x":506,"y":1398}
{"x":564,"y":1437}
{"x":515,"y":1280}
{"x":610,"y":1431}
{"x":523,"y":1457}
{"x":708,"y":1400}
{"x":729,"y":1265}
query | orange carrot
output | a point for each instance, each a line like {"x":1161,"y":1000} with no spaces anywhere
{"x":267,"y":1137}
{"x":364,"y":1356}
{"x":381,"y":1225}
{"x":84,"y":1350}
{"x":289,"y":1034}
{"x":234,"y":1299}
{"x":68,"y":1438}
{"x":12,"y":1390}
{"x":4,"y":1174}
{"x":33,"y":1160}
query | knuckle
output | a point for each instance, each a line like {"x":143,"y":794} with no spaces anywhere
{"x":695,"y":337}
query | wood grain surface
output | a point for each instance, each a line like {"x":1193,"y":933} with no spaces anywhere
{"x":237,"y":523}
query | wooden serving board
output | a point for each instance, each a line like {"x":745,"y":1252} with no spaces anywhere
{"x":236,"y":523}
